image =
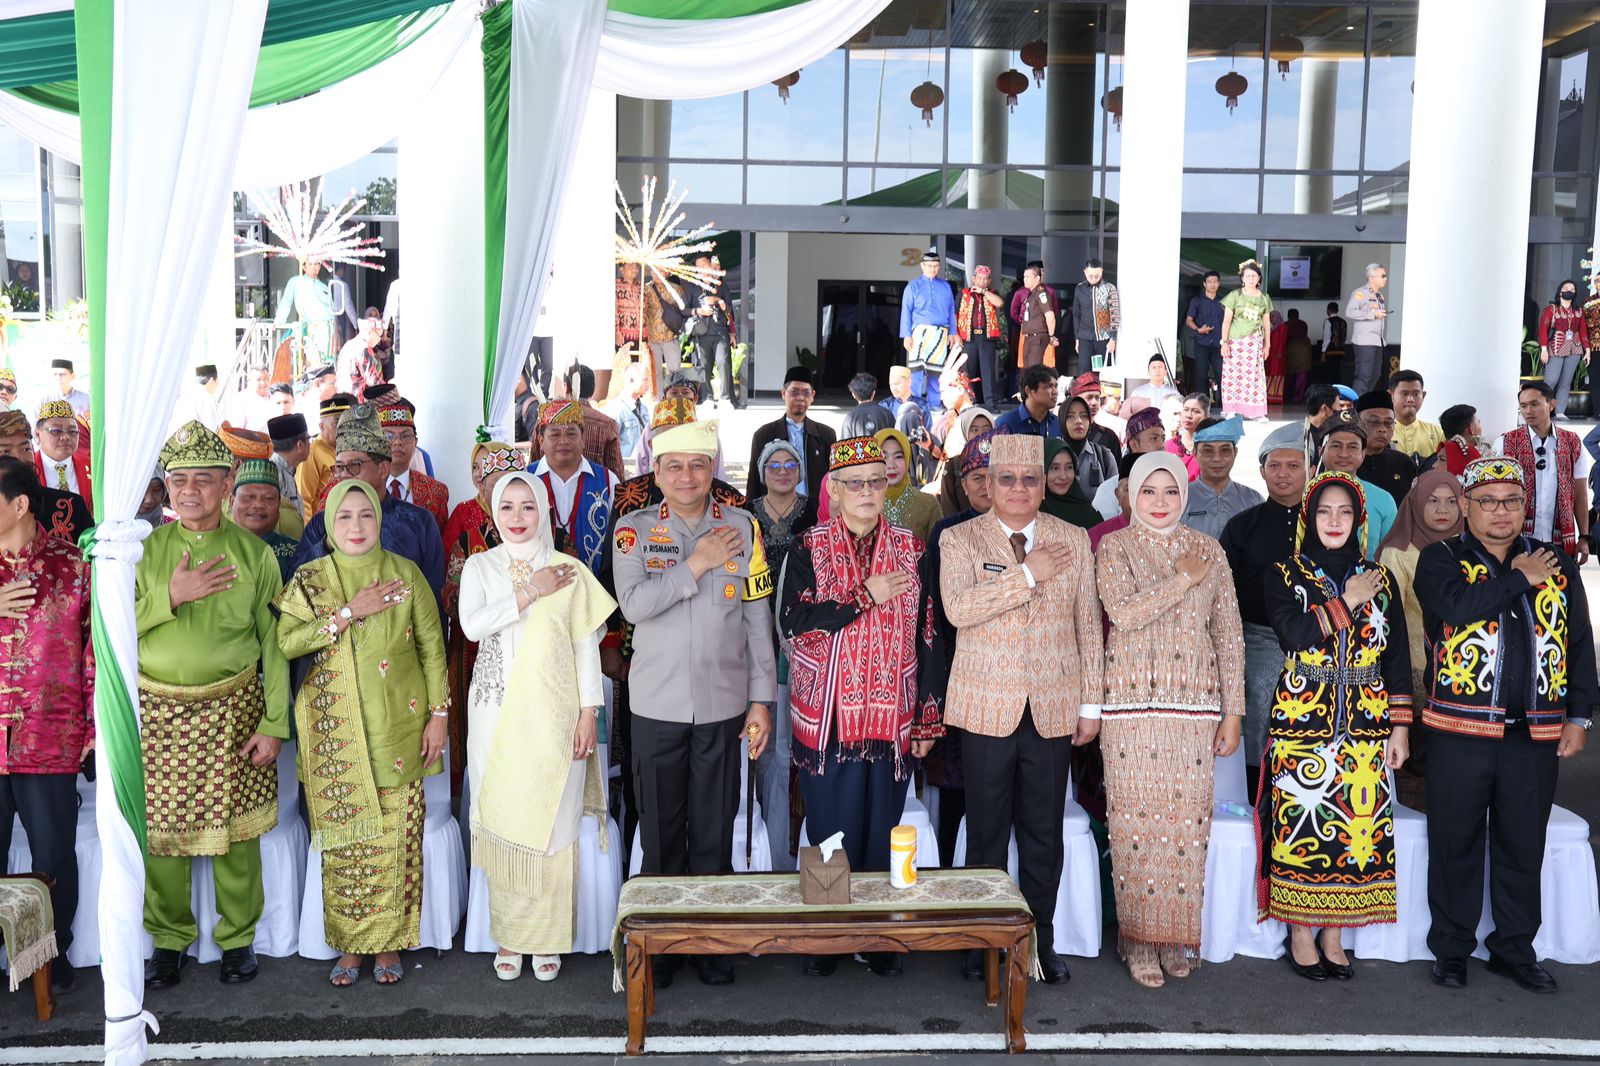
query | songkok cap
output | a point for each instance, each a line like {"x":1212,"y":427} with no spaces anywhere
{"x":287,"y":429}
{"x":981,"y":271}
{"x":1088,"y":381}
{"x":245,"y":443}
{"x":194,"y":447}
{"x":1376,"y":400}
{"x":1346,"y":393}
{"x":855,"y":451}
{"x":497,"y":456}
{"x":382,"y":393}
{"x":1343,"y":422}
{"x":321,"y":370}
{"x":14,"y":423}
{"x":1230,"y":430}
{"x":1288,"y":437}
{"x":1494,"y":470}
{"x":360,"y":431}
{"x":975,"y":456}
{"x":282,"y":388}
{"x":337,"y":404}
{"x":673,"y":411}
{"x":931,"y":255}
{"x":61,"y":364}
{"x":1143,"y":420}
{"x":397,"y":415}
{"x":205,"y":370}
{"x":55,"y":409}
{"x":695,"y":438}
{"x":560,"y":413}
{"x":799,"y":373}
{"x":256,"y":472}
{"x":1017,"y":449}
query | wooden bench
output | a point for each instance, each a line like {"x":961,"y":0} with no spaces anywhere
{"x":804,"y":931}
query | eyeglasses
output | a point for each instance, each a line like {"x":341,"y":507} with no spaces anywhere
{"x":1512,"y":503}
{"x":1009,"y":480}
{"x":400,"y":436}
{"x":782,"y":466}
{"x":861,"y":484}
{"x":350,"y":469}
{"x":61,"y":433}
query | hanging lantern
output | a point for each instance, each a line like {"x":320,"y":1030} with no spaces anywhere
{"x":1034,"y":54}
{"x":1286,"y":50}
{"x":1232,"y":85}
{"x":927,"y":96}
{"x":783,"y":84}
{"x":1013,"y":83}
{"x":1112,"y":102}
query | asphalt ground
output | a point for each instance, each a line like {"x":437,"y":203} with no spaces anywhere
{"x":452,"y":1008}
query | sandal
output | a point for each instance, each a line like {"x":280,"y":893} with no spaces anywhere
{"x":508,"y":967}
{"x":1174,"y":960}
{"x":546,"y":967}
{"x":388,"y":975}
{"x":351,"y":975}
{"x":1143,"y":967}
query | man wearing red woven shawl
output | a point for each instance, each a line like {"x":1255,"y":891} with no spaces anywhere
{"x":848,"y":606}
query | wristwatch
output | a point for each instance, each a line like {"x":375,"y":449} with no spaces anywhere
{"x":1587,"y":724}
{"x":346,"y":613}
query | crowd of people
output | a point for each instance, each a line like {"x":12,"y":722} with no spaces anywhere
{"x":993,"y":604}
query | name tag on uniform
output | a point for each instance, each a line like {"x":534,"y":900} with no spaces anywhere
{"x":995,"y":568}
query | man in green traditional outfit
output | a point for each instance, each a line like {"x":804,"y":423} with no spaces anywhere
{"x":257,"y":500}
{"x":214,"y":698}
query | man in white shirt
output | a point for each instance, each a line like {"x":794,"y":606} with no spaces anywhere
{"x":1152,"y":392}
{"x":62,"y":369}
{"x":253,"y":409}
{"x":1557,"y":467}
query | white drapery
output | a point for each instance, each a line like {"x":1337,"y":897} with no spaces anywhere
{"x":634,"y":56}
{"x":288,"y":142}
{"x":180,"y":90}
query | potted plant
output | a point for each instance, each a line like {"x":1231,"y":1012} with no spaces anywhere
{"x":1531,"y":370}
{"x":1579,"y":403}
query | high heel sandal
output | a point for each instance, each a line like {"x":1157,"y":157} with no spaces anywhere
{"x":1174,"y":960}
{"x":1143,"y":966}
{"x":508,"y":967}
{"x":542,"y":961}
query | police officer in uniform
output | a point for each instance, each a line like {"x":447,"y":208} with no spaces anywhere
{"x":1368,"y":312}
{"x":691,"y":576}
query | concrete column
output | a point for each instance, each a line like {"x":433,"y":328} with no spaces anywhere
{"x":440,"y":179}
{"x":991,"y":128}
{"x":1484,"y":119}
{"x":1072,"y":114}
{"x":774,"y":339}
{"x":644,"y":127}
{"x":1151,"y":219}
{"x":1319,"y":100}
{"x":580,"y":301}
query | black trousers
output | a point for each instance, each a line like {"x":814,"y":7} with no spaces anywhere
{"x":981,"y":361}
{"x":686,"y":781}
{"x":1503,"y":788}
{"x":860,"y":799}
{"x":1018,"y":783}
{"x":1368,"y":373}
{"x":48,"y":806}
{"x":713,"y":359}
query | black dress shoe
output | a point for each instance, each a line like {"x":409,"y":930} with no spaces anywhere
{"x":886,"y":963}
{"x":1054,"y":967}
{"x":238,"y":965}
{"x":664,"y":966}
{"x":1315,"y":972}
{"x":1528,"y":975}
{"x":1450,"y":972}
{"x":972,"y":965}
{"x":716,"y":970}
{"x":61,"y":973}
{"x":820,"y":965}
{"x":164,"y":969}
{"x":1339,"y":971}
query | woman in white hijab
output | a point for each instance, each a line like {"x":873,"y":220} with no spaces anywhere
{"x":1174,"y":699}
{"x":533,"y":718}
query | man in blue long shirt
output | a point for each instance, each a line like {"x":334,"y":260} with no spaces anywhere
{"x":928,"y":330}
{"x":362,"y":452}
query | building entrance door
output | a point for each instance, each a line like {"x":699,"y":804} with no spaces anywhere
{"x":858,"y":329}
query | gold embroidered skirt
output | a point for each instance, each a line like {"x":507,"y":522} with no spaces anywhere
{"x":372,"y":890}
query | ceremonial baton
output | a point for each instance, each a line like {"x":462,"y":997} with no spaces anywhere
{"x":751,"y":731}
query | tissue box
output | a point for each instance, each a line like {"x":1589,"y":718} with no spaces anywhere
{"x":824,"y":882}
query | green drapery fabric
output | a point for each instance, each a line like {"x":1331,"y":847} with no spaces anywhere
{"x":698,"y":9}
{"x":496,"y":124}
{"x":39,"y":49}
{"x":116,"y":730}
{"x":292,"y":69}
